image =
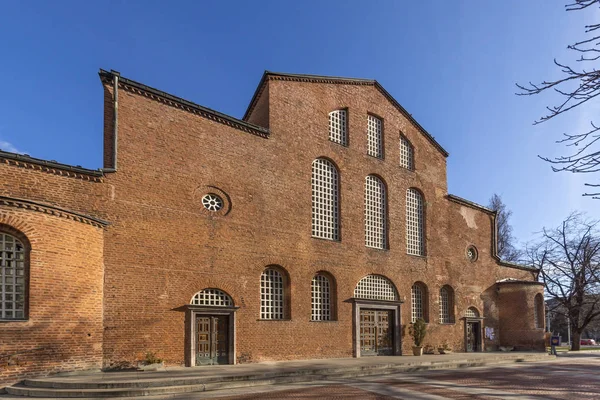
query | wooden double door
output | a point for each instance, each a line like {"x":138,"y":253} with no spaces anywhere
{"x":376,"y":332}
{"x":212,"y":339}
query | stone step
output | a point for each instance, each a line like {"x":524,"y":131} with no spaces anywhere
{"x":64,"y":387}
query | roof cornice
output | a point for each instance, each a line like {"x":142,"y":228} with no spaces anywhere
{"x":52,"y":167}
{"x":268,"y":75}
{"x":52,"y":210}
{"x":471,"y":204}
{"x":177,"y":102}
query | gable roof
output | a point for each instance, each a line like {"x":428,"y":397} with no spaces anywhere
{"x":269,"y":75}
{"x":174,"y":101}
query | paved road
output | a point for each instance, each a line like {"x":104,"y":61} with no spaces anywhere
{"x":568,"y":377}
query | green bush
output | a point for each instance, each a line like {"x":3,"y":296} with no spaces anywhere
{"x":418,"y":330}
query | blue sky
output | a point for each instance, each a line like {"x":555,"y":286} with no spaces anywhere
{"x":452,"y":64}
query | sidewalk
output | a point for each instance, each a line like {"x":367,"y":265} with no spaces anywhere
{"x":220,"y":377}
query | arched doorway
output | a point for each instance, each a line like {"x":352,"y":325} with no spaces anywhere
{"x":211,"y":328}
{"x":473,"y":342}
{"x":376,"y":317}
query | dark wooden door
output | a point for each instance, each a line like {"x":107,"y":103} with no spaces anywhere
{"x":473,"y":336}
{"x":212,"y":339}
{"x":376,"y":333}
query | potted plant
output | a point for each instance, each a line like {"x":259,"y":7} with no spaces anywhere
{"x":428,"y":349}
{"x":418,"y":330}
{"x":445,"y":348}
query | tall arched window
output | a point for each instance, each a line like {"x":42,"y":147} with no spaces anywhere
{"x":446,"y":305}
{"x":325,"y":200}
{"x":272,"y":294}
{"x":375,"y":211}
{"x":374,"y":136}
{"x":321,"y":298}
{"x":13,"y":284}
{"x":538,"y":311}
{"x":376,"y":287}
{"x":415,"y":226}
{"x":406,"y":153}
{"x":419,"y":302}
{"x":338,"y":132}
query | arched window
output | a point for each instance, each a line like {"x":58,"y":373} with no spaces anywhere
{"x":419,"y":302}
{"x":374,"y":137}
{"x":321,"y":298}
{"x":538,"y":311}
{"x":325,"y":200}
{"x":406,"y":154}
{"x":446,"y":305}
{"x":472,"y":312}
{"x":415,"y":227}
{"x":337,"y":127}
{"x":272,"y":294}
{"x":12,"y":278}
{"x":212,"y":297}
{"x":375,"y":210}
{"x":376,"y":287}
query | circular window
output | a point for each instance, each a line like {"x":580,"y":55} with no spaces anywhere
{"x":212,"y":202}
{"x":472,"y":253}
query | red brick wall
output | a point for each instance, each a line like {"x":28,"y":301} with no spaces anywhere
{"x":517,"y":323}
{"x":64,"y":329}
{"x":168,"y":158}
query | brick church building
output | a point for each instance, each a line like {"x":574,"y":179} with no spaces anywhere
{"x":319,"y":225}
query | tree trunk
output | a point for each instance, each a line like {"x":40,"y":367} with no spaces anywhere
{"x":576,"y":341}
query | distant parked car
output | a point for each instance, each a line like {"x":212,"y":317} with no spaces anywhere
{"x":588,"y":342}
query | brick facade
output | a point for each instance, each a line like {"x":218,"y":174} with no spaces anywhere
{"x":126,"y":282}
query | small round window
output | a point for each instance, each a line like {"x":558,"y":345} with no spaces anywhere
{"x":212,"y":202}
{"x":472,"y":253}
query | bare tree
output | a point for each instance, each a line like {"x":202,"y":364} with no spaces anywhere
{"x":505,"y":239}
{"x":579,"y":85}
{"x":569,"y":260}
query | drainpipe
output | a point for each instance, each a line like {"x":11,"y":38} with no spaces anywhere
{"x":116,"y":75}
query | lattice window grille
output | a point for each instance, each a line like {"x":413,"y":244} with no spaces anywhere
{"x":374,"y":139}
{"x":406,"y":154}
{"x":338,"y":127}
{"x":415,"y":234}
{"x":212,"y":297}
{"x":12,"y":278}
{"x":271,"y":295}
{"x":325,"y":200}
{"x":472,"y":312}
{"x":417,"y":302}
{"x":375,"y":287}
{"x":375,"y":203}
{"x":321,"y":298}
{"x":445,"y":306}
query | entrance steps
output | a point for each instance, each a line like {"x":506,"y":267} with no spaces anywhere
{"x":179,"y":380}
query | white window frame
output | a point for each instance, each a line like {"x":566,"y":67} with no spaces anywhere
{"x":417,"y":302}
{"x":212,"y":297}
{"x":375,"y":213}
{"x":272,"y":295}
{"x":446,"y":305}
{"x":374,"y":136}
{"x":321,"y":298}
{"x":13,"y":280}
{"x":407,"y":154}
{"x":472,"y":312}
{"x":338,"y":126}
{"x":415,"y":223}
{"x":376,"y":287}
{"x":325,"y":200}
